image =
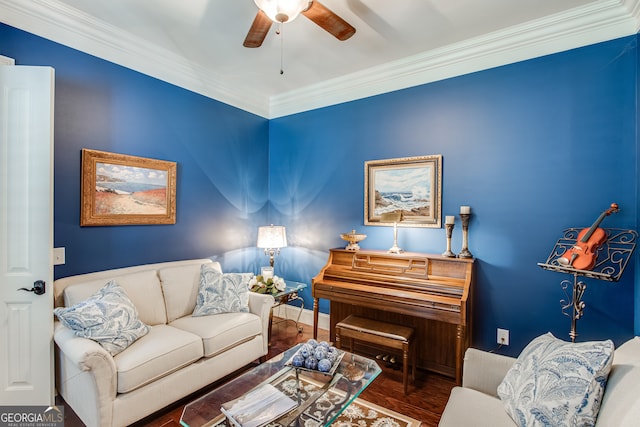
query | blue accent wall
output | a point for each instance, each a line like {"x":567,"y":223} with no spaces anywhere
{"x":533,"y":147}
{"x":221,"y":153}
{"x":637,"y":224}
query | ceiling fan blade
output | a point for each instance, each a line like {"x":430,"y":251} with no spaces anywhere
{"x":258,"y":30}
{"x":329,"y":21}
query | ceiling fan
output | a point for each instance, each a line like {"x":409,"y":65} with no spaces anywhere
{"x":282,"y":11}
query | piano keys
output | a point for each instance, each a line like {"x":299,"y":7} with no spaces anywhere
{"x":432,"y":293}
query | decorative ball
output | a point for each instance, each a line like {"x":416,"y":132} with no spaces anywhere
{"x":324,"y":365}
{"x":298,"y":360}
{"x":313,"y":343}
{"x":320,"y":353}
{"x":306,"y":350}
{"x":332,"y":356}
{"x":311,"y":363}
{"x":324,"y":344}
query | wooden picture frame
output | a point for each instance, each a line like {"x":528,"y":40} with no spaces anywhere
{"x":118,"y":189}
{"x":411,"y":186}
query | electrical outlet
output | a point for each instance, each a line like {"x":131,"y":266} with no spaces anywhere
{"x":503,"y":336}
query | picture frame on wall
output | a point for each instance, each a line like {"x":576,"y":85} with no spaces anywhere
{"x":410,"y":186}
{"x":119,"y":189}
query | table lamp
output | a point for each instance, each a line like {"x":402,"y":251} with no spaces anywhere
{"x":271,"y":238}
{"x":395,"y":217}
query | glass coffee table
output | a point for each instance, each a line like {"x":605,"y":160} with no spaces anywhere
{"x":319,"y":397}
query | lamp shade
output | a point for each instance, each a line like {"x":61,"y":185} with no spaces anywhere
{"x":272,"y":237}
{"x":282,"y":10}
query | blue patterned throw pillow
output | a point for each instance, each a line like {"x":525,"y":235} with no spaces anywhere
{"x":557,"y":383}
{"x":107,"y":317}
{"x":222,"y":292}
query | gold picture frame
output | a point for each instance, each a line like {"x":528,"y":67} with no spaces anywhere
{"x":410,"y":186}
{"x":119,"y":189}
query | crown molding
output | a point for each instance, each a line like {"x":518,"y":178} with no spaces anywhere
{"x":68,"y":26}
{"x":633,"y":6}
{"x":593,"y":23}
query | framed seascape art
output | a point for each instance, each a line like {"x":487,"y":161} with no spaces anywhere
{"x":118,"y":189}
{"x":409,"y":187}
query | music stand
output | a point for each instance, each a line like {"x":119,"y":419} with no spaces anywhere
{"x":611,"y":260}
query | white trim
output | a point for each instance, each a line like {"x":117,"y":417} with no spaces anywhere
{"x":592,"y":23}
{"x":5,"y":60}
{"x":66,"y":25}
{"x":633,"y":6}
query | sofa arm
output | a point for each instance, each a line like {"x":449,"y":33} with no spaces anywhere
{"x":86,"y":376}
{"x":261,"y":305}
{"x":484,"y":371}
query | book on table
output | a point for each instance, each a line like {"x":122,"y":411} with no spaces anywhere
{"x":258,"y":407}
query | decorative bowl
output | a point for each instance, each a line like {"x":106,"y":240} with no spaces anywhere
{"x":353,"y":238}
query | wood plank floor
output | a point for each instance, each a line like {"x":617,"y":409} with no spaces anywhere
{"x":425,"y":402}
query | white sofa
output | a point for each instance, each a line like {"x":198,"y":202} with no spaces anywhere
{"x":477,"y":404}
{"x":179,"y":355}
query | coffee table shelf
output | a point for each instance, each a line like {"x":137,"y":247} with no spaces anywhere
{"x":320,"y":397}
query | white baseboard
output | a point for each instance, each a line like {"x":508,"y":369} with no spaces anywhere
{"x":306,"y":317}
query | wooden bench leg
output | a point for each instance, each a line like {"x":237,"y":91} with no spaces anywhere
{"x":405,"y":365}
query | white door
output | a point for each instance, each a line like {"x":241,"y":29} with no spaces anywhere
{"x":26,"y":235}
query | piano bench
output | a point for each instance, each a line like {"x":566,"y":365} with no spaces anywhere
{"x":389,"y":335}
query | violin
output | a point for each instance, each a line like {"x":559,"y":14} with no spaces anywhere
{"x":582,"y":255}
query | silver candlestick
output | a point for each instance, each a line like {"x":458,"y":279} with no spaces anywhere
{"x":464,"y":253}
{"x":448,"y":252}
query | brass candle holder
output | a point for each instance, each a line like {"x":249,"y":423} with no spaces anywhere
{"x":448,"y":252}
{"x":464,"y":253}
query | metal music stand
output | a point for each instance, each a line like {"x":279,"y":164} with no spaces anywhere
{"x":611,"y":260}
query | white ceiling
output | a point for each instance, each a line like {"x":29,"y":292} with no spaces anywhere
{"x":197,"y":44}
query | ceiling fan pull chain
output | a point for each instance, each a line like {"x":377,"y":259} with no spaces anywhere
{"x":281,"y":50}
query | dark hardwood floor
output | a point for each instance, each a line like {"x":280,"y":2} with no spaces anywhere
{"x":425,"y":402}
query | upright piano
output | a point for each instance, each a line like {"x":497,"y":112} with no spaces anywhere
{"x":432,"y":293}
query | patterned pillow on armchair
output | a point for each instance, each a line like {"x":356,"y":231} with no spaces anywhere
{"x":557,"y":383}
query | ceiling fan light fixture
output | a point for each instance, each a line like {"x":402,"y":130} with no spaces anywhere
{"x":283,"y":10}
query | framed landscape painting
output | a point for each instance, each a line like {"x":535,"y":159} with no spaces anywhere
{"x":410,"y":187}
{"x":118,"y":189}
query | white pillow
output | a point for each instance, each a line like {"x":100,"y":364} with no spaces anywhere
{"x":557,"y":383}
{"x":107,"y":317}
{"x":221,"y":292}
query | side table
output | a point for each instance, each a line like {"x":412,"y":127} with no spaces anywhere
{"x":290,"y":294}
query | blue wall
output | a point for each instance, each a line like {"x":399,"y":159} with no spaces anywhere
{"x":533,"y":148}
{"x":220,"y":151}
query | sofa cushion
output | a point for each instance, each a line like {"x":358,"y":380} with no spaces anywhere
{"x":222,"y":292}
{"x":221,"y":331}
{"x":468,"y":407}
{"x":620,"y":405}
{"x":107,"y":317}
{"x":554,"y":382}
{"x":180,"y":287}
{"x":162,"y":351}
{"x":143,"y":288}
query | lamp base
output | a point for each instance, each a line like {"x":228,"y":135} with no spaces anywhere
{"x":395,"y":249}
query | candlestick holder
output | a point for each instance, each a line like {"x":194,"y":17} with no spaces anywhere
{"x":464,"y":253}
{"x":448,"y":252}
